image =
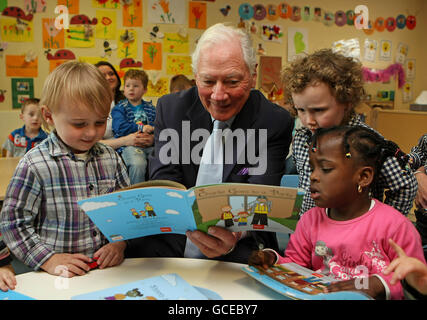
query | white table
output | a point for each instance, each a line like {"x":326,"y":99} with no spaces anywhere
{"x":224,"y":278}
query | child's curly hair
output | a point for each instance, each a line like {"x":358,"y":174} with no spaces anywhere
{"x":343,"y":75}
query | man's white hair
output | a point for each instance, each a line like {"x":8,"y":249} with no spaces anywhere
{"x":219,"y":35}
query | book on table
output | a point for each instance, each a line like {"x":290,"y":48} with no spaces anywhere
{"x":300,"y":283}
{"x":162,"y":206}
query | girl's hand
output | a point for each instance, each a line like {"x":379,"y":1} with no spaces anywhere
{"x":112,"y":254}
{"x":263,"y":258}
{"x":375,"y":287}
{"x":7,"y":278}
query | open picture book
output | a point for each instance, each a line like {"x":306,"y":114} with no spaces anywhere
{"x":162,"y":206}
{"x":299,"y":283}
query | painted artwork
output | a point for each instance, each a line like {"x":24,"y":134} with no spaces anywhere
{"x":81,"y":32}
{"x":166,"y":11}
{"x":410,"y":69}
{"x":127,"y":40}
{"x":132,"y":14}
{"x":107,"y":24}
{"x":269,"y":77}
{"x":22,"y":89}
{"x":178,"y":65}
{"x":272,"y":33}
{"x":53,"y":38}
{"x":175,"y":43}
{"x":152,"y":56}
{"x":35,"y":6}
{"x":17,"y":66}
{"x":107,"y":4}
{"x":385,"y":50}
{"x":407,"y":92}
{"x":158,"y":89}
{"x":402,"y":52}
{"x":16,"y":30}
{"x":370,"y":50}
{"x":197,"y":15}
{"x":72,"y":5}
{"x":297,"y":42}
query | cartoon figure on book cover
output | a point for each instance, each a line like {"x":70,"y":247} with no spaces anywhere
{"x":227,"y":216}
{"x":242,"y":218}
{"x":260,"y":209}
{"x":134,"y":213}
{"x":321,"y":250}
{"x":134,"y":293}
{"x":149,"y":209}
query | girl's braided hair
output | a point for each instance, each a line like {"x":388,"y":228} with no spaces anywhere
{"x":365,"y":145}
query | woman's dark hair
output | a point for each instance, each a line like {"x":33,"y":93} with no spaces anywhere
{"x":118,"y":95}
{"x":370,"y":147}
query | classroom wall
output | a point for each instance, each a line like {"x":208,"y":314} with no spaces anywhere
{"x":319,"y":36}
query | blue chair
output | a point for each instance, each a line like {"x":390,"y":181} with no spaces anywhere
{"x":289,"y":180}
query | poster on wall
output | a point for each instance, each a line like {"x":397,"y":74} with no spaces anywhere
{"x":410,"y":69}
{"x":22,"y":89}
{"x":297,"y":42}
{"x":370,"y":50}
{"x":402,"y":52}
{"x":107,"y":24}
{"x":176,"y":43}
{"x":53,"y":38}
{"x":271,"y":33}
{"x":127,"y":41}
{"x":197,"y":15}
{"x":166,"y":11}
{"x":152,"y":55}
{"x":178,"y":65}
{"x":407,"y":92}
{"x":16,"y":30}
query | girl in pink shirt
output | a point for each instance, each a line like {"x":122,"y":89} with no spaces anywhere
{"x":346,"y":235}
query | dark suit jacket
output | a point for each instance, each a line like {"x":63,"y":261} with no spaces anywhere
{"x":257,"y":113}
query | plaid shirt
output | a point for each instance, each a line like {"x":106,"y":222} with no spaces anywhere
{"x":40,"y":214}
{"x":401,"y":185}
{"x":419,"y":154}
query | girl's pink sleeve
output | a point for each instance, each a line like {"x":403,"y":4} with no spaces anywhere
{"x":299,"y":249}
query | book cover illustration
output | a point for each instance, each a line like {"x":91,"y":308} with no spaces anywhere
{"x":143,"y":211}
{"x":297,"y":282}
{"x":164,"y":287}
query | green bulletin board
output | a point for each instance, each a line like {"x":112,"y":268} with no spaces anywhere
{"x":22,"y":89}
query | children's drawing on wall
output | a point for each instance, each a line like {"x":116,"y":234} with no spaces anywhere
{"x":197,"y":15}
{"x":410,"y":69}
{"x":349,"y":48}
{"x":246,"y":11}
{"x":16,"y":26}
{"x":370,"y":50}
{"x":59,"y":57}
{"x":106,"y":28}
{"x":178,"y":65}
{"x":127,"y":43}
{"x":17,"y":66}
{"x":108,"y":49}
{"x":297,"y":42}
{"x":157,"y":87}
{"x":166,"y":11}
{"x":402,"y":52}
{"x":108,"y":4}
{"x":132,"y":14}
{"x":407,"y":92}
{"x":175,"y":43}
{"x":53,"y":38}
{"x":72,"y":5}
{"x":2,"y":92}
{"x":152,"y":55}
{"x":385,"y":50}
{"x":34,"y":6}
{"x":81,"y":32}
{"x":272,"y":33}
{"x":269,"y":77}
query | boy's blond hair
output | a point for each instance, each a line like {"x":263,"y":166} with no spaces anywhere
{"x":79,"y":82}
{"x":135,"y":74}
{"x":343,"y":75}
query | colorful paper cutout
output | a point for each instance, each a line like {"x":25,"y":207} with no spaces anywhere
{"x":197,"y":16}
{"x":63,"y":54}
{"x":411,"y":22}
{"x":296,"y":13}
{"x":15,"y":12}
{"x":178,"y":65}
{"x":390,"y":24}
{"x":80,"y":36}
{"x":272,"y":33}
{"x":259,"y":12}
{"x":340,"y":18}
{"x":107,"y":24}
{"x":107,"y":4}
{"x":246,"y":11}
{"x":297,"y":42}
{"x":401,"y":21}
{"x":174,"y":43}
{"x":225,"y":10}
{"x":72,"y":5}
{"x":328,"y":18}
{"x":53,"y":38}
{"x":374,"y":75}
{"x":349,"y":48}
{"x":380,"y":24}
{"x":166,"y":11}
{"x":16,"y":66}
{"x":350,"y":17}
{"x":307,"y":13}
{"x":285,"y":10}
{"x":152,"y":55}
{"x":132,"y":14}
{"x":130,"y":63}
{"x":272,"y":12}
{"x":3,"y":5}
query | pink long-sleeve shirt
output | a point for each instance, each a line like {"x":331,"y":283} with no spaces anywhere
{"x":354,"y":248}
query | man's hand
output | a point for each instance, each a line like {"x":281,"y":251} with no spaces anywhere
{"x":217,"y":242}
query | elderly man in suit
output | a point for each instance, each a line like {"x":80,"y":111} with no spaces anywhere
{"x":224,"y":64}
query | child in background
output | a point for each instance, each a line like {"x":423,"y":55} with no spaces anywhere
{"x":179,"y":82}
{"x":23,"y":139}
{"x":41,"y":221}
{"x":324,"y":88}
{"x":135,"y":115}
{"x":346,"y":235}
{"x":7,"y":275}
